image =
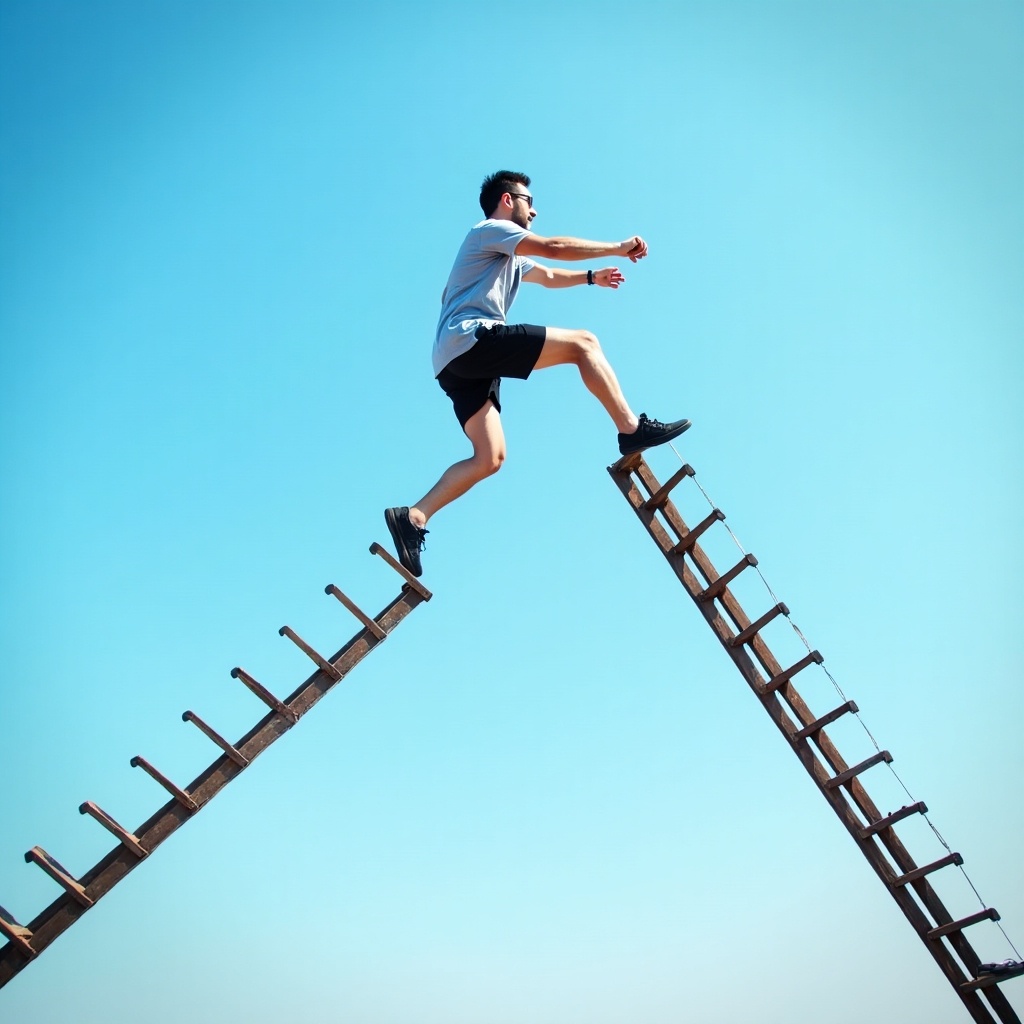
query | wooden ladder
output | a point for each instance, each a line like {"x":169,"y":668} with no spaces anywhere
{"x":839,"y":782}
{"x":26,"y":942}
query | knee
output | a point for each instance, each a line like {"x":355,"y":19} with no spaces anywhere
{"x":497,"y":460}
{"x":587,"y":345}
{"x":488,"y":463}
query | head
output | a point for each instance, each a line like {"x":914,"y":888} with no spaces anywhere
{"x":514,"y":186}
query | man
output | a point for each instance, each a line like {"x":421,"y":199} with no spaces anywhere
{"x":475,"y":347}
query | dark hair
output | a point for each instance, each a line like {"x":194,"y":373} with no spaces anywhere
{"x":496,"y":185}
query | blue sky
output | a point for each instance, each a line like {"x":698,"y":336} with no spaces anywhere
{"x":224,"y":230}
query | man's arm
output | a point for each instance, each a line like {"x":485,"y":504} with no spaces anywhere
{"x":551,"y":277}
{"x":566,"y":248}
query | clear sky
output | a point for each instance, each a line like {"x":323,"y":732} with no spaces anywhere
{"x":548,"y":798}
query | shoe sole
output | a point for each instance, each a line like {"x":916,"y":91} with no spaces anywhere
{"x":396,"y":535}
{"x":671,"y":436}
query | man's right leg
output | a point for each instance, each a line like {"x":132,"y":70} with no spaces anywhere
{"x":483,"y":429}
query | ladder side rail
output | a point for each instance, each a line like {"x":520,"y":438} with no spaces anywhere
{"x":720,"y":626}
{"x":741,"y":660}
{"x":764,"y":655}
{"x":355,"y":650}
{"x":835,"y":796}
{"x":272,"y":726}
{"x":996,"y":998}
{"x":961,"y":945}
{"x":55,"y":919}
{"x":759,"y":646}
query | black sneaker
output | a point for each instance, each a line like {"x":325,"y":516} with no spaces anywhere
{"x":649,"y":433}
{"x":409,"y":539}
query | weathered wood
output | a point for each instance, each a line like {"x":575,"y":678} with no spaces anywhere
{"x":891,"y":819}
{"x":182,"y":797}
{"x":130,"y":841}
{"x":377,"y":549}
{"x":657,"y":499}
{"x":857,"y":769}
{"x":777,"y":682}
{"x":988,"y":914}
{"x":755,"y":627}
{"x":18,"y":935}
{"x":60,"y":874}
{"x":356,"y":611}
{"x":907,"y":885}
{"x":60,"y":915}
{"x":317,"y":659}
{"x":819,"y":723}
{"x":942,"y":862}
{"x":717,"y":587}
{"x":686,"y":542}
{"x":272,"y":702}
{"x":988,"y":980}
{"x":228,"y":748}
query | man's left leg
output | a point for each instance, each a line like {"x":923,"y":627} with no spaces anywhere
{"x":582,"y":349}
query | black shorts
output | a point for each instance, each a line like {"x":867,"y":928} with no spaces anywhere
{"x":504,"y":350}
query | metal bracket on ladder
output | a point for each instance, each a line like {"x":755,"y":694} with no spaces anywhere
{"x":838,"y":782}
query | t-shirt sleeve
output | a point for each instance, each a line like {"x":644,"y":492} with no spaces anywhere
{"x":500,"y":236}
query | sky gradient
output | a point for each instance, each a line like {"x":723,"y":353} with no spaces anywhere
{"x":548,"y":798}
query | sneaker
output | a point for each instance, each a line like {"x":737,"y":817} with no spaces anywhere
{"x":409,"y":539}
{"x":649,"y":433}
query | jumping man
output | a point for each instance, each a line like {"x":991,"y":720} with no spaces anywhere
{"x":475,"y":347}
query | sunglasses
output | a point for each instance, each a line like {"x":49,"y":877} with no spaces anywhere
{"x":523,"y":195}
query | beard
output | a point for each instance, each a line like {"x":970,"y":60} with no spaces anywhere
{"x":521,"y":219}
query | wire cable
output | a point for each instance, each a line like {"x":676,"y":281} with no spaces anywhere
{"x":839,"y":690}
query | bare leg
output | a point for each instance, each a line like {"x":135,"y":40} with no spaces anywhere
{"x":484,"y":431}
{"x":583,"y":350}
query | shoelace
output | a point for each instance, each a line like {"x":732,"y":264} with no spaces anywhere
{"x":645,"y":420}
{"x":421,"y":538}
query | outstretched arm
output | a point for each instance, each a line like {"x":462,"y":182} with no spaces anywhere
{"x":567,"y":249}
{"x":551,"y":277}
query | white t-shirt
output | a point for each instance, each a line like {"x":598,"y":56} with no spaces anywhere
{"x":483,"y":282}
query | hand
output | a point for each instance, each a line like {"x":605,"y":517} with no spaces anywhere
{"x":608,"y":277}
{"x":634,"y":248}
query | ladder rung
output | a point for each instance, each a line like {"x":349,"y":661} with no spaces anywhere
{"x":232,"y":751}
{"x":18,"y":934}
{"x":660,"y":496}
{"x":883,"y":823}
{"x":988,"y":914}
{"x":179,"y":794}
{"x":365,"y":619}
{"x":314,"y":656}
{"x":777,"y":682}
{"x":127,"y":838}
{"x":755,"y":627}
{"x":819,"y":723}
{"x":264,"y":695}
{"x":716,"y":588}
{"x":989,"y":979}
{"x":844,"y":777}
{"x":716,"y":516}
{"x":59,"y":873}
{"x":376,"y":549}
{"x":913,"y":876}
